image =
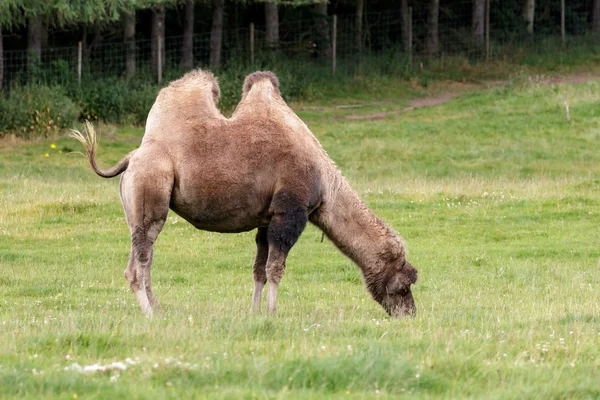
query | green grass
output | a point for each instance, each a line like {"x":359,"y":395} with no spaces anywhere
{"x":496,"y":194}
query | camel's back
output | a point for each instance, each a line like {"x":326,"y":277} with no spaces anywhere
{"x":278,"y":145}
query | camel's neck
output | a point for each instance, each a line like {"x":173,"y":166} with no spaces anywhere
{"x":358,"y":233}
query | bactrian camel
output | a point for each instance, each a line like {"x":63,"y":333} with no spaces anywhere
{"x":260,"y":169}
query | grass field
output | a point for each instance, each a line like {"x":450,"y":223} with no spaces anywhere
{"x":496,"y":194}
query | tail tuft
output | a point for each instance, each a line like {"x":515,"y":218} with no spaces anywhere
{"x":88,"y":138}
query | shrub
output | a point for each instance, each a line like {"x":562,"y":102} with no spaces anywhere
{"x":99,"y":99}
{"x":31,"y":111}
{"x":138,"y":102}
{"x":114,"y":100}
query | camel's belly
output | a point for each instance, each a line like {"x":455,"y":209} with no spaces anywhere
{"x":219,"y":214}
{"x":239,"y":222}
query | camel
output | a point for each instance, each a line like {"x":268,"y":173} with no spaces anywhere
{"x":260,"y":169}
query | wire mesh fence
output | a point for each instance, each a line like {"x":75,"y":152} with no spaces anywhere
{"x":304,"y":40}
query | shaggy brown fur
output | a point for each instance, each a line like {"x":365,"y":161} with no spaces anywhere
{"x":262,"y":168}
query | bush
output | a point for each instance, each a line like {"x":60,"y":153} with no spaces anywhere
{"x":137,"y":103}
{"x":114,"y":100}
{"x":31,"y":111}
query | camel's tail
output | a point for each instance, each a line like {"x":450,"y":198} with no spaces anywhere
{"x":88,"y":138}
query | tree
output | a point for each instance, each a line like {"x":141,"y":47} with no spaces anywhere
{"x":44,"y":32}
{"x":34,"y":40}
{"x":158,"y":38}
{"x":1,"y":59}
{"x":432,"y":43}
{"x":129,"y":40}
{"x":358,"y":38}
{"x":322,"y":29}
{"x":38,"y":15}
{"x":6,"y":20}
{"x":478,"y":22}
{"x":405,"y":25}
{"x":216,"y":34}
{"x":529,"y":14}
{"x":88,"y":45}
{"x":187,"y":47}
{"x":596,"y":16}
{"x":272,"y":25}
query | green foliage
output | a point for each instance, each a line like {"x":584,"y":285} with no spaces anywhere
{"x":114,"y":100}
{"x":56,"y":73}
{"x":128,"y":101}
{"x":33,"y":111}
{"x":64,"y":12}
{"x":297,"y":77}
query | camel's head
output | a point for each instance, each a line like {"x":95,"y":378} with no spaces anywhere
{"x":393,"y":292}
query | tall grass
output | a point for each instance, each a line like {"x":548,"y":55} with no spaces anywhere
{"x":496,"y":194}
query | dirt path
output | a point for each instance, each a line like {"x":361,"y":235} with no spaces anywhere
{"x":458,"y":89}
{"x":428,"y":101}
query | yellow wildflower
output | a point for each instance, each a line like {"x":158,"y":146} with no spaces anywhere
{"x":52,"y":146}
{"x":47,"y":155}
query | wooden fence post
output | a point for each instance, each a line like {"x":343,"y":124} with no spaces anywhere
{"x":410,"y":35}
{"x":252,"y":43}
{"x":334,"y":45}
{"x":487,"y":30}
{"x":159,"y":58}
{"x":562,"y":21}
{"x":79,"y":56}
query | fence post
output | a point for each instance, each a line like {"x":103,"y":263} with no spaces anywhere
{"x":562,"y":21}
{"x":410,"y":35}
{"x":487,"y":30}
{"x":334,"y":45}
{"x":252,"y":43}
{"x":79,"y":55}
{"x":159,"y":58}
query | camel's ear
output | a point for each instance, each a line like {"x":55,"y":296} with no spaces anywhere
{"x":411,"y":273}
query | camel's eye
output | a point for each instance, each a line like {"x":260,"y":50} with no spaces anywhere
{"x":397,"y":287}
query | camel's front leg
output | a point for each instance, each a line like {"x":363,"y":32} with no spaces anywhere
{"x":260,"y":262}
{"x":284,"y":230}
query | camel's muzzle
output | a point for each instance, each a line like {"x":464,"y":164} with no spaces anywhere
{"x":399,"y":305}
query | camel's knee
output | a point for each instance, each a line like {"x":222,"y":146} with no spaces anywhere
{"x":140,"y":260}
{"x":260,"y":274}
{"x":274,"y":272}
{"x":133,"y":279}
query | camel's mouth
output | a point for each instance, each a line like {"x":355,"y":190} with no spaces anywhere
{"x":400,"y":305}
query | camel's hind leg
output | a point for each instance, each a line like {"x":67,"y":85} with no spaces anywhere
{"x":146,"y":206}
{"x":287,"y":223}
{"x":149,"y":292}
{"x":259,"y":268}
